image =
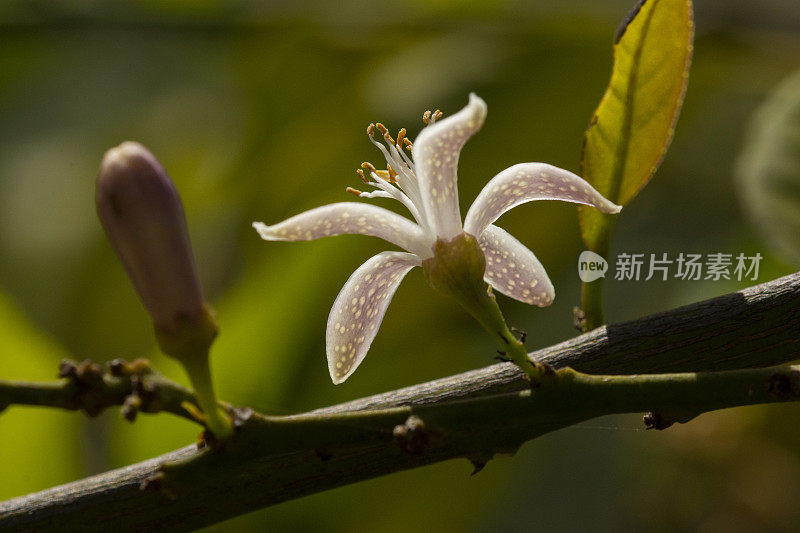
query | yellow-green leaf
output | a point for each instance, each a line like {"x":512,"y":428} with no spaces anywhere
{"x":633,"y":125}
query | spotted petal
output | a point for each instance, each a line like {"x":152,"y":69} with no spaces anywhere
{"x":436,"y":152}
{"x":526,"y":182}
{"x":513,"y":269}
{"x":358,"y":310}
{"x":348,"y":217}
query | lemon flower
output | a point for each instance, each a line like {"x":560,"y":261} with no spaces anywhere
{"x":425,"y":184}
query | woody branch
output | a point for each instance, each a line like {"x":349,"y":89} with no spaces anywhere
{"x":273,"y":459}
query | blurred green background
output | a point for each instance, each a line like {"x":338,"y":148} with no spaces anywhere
{"x":258,"y":110}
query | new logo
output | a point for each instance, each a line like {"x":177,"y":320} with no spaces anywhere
{"x":591,"y":266}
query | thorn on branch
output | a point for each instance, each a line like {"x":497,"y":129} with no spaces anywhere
{"x":479,"y":461}
{"x":152,"y":483}
{"x":155,"y":483}
{"x":477,"y":466}
{"x":656,"y":421}
{"x":522,"y":334}
{"x":502,"y":357}
{"x":412,"y":437}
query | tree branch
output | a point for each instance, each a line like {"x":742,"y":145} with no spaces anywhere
{"x":755,"y":327}
{"x":473,"y":415}
{"x":90,"y":388}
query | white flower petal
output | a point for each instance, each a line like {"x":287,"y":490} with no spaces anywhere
{"x":513,"y":269}
{"x":358,"y":310}
{"x":436,"y":152}
{"x":526,"y":182}
{"x":349,"y":217}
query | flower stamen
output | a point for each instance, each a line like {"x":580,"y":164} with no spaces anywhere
{"x":430,"y":117}
{"x":392,"y":174}
{"x":385,"y":131}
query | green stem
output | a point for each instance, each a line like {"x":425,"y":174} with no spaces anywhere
{"x":488,"y":314}
{"x":199,"y":374}
{"x":592,"y":292}
{"x":592,"y":304}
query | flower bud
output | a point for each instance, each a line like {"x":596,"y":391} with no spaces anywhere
{"x":141,"y":211}
{"x":143,"y":217}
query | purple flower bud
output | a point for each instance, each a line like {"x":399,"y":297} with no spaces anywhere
{"x":141,"y":212}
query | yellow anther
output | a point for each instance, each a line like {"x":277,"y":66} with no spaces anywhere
{"x":401,"y":135}
{"x":437,"y":115}
{"x":408,"y":144}
{"x":426,"y":117}
{"x":385,"y":133}
{"x":388,"y":175}
{"x":368,"y":166}
{"x":370,"y":129}
{"x":353,"y":191}
{"x":362,"y":176}
{"x":392,"y":174}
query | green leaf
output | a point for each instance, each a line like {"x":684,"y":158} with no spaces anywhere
{"x":633,"y":125}
{"x":768,"y":170}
